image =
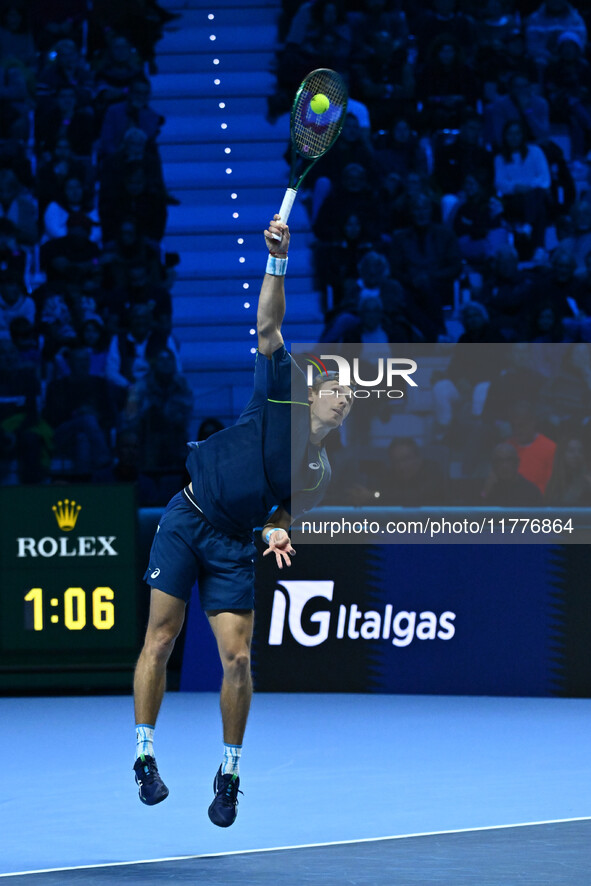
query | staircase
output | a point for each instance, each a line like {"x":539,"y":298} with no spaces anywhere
{"x":225,"y":162}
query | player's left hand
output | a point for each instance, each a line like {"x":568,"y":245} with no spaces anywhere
{"x":280,"y":545}
{"x":276,"y":226}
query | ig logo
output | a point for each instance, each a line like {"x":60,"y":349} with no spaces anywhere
{"x":299,"y":593}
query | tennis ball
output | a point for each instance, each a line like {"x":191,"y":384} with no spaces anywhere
{"x":320,"y":103}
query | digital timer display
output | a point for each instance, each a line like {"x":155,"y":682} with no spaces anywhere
{"x":69,"y":583}
{"x":73,"y":608}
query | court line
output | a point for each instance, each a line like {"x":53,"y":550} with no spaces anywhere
{"x":119,"y":864}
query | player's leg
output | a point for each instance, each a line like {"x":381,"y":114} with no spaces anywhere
{"x":173,"y":562}
{"x":167,"y":614}
{"x":233,"y":634}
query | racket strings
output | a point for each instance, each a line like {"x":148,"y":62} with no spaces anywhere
{"x":313,"y":134}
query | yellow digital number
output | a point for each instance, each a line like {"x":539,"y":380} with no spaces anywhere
{"x":103,"y":610}
{"x":78,"y":622}
{"x":36,"y":595}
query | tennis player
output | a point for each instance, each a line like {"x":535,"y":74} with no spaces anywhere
{"x":241,"y":477}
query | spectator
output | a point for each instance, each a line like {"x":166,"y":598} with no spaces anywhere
{"x":16,"y":39}
{"x":72,"y":208}
{"x":366,"y":325}
{"x":495,"y":24}
{"x":455,"y":158}
{"x":327,"y":175}
{"x":136,"y":149}
{"x":62,"y":116}
{"x":24,"y":436}
{"x":404,"y":478}
{"x":578,"y":244}
{"x":55,"y":20}
{"x":14,"y":302}
{"x":94,"y":338}
{"x":26,"y":342}
{"x":398,"y":151}
{"x":80,"y":408}
{"x":377,"y":15}
{"x":66,"y":68}
{"x":59,"y":167}
{"x":410,"y":479}
{"x":384,"y":81}
{"x":425,"y":259}
{"x":13,"y":258}
{"x":73,"y":257}
{"x":414,"y":187}
{"x":138,"y":198}
{"x":477,"y":221}
{"x":140,"y":21}
{"x":161,"y":405}
{"x":355,"y":196}
{"x":535,"y":450}
{"x":519,"y":377}
{"x":18,"y":206}
{"x":134,"y":112}
{"x":338,"y":264}
{"x":570,"y":483}
{"x":566,"y":398}
{"x":506,"y":487}
{"x":498,"y":67}
{"x":558,"y":284}
{"x":546,"y":25}
{"x":140,"y":290}
{"x":443,"y":19}
{"x":127,"y":469}
{"x":318,"y":27}
{"x":547,"y":325}
{"x":130,"y":352}
{"x":522,"y":180}
{"x":522,"y":104}
{"x":15,"y":99}
{"x":567,"y":84}
{"x":115,"y":69}
{"x":13,"y":157}
{"x":129,"y":250}
{"x":446,"y":85}
{"x":463,"y":386}
{"x":57,"y":326}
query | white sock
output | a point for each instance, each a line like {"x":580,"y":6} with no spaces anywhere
{"x":231,"y":761}
{"x":144,"y":740}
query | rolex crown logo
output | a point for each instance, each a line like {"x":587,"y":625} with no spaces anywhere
{"x":66,"y":513}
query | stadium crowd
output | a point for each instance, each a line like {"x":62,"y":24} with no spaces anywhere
{"x":456,"y":207}
{"x":91,"y":382}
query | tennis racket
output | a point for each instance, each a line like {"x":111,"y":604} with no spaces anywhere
{"x":312,"y":134}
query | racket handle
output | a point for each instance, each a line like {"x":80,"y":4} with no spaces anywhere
{"x":285,"y":209}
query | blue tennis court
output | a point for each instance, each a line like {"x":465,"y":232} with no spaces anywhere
{"x":494,"y":790}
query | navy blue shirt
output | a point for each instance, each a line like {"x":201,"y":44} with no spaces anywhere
{"x":241,"y":473}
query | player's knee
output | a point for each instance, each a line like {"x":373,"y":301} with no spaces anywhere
{"x":160,"y":641}
{"x":237,"y":667}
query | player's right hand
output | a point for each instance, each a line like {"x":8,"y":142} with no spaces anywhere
{"x":277,"y":227}
{"x":280,"y":545}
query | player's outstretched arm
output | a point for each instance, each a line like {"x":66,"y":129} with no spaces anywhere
{"x":271,"y":308}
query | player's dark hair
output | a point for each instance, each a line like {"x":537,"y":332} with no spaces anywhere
{"x":323,"y":377}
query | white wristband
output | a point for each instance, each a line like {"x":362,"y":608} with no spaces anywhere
{"x":270,"y":532}
{"x":276,"y":266}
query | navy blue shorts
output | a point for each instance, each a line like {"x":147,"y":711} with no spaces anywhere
{"x":188,"y":549}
